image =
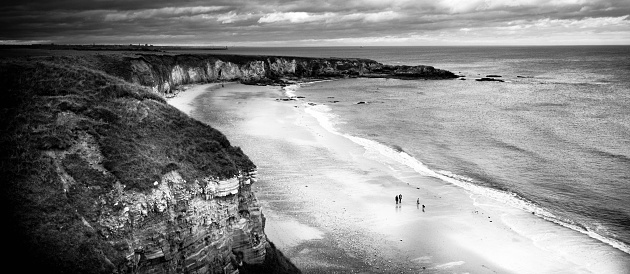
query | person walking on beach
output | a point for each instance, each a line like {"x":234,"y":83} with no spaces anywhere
{"x":400,"y":198}
{"x":418,"y":201}
{"x":396,"y":199}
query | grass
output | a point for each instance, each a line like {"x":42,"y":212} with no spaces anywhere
{"x":47,"y":104}
{"x":138,"y":133}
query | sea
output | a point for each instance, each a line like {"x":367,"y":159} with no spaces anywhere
{"x":553,"y":138}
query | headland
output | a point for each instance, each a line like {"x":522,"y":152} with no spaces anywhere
{"x":103,"y":176}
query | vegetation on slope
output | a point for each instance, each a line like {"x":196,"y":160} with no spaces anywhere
{"x":48,"y":107}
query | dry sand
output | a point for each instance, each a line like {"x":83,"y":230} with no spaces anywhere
{"x":330,"y":206}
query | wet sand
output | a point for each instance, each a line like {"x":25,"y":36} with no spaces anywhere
{"x":184,"y":100}
{"x":330,"y":207}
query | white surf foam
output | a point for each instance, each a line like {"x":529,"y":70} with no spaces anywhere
{"x":328,"y":121}
{"x":289,"y":90}
{"x":325,"y":119}
{"x":449,"y":265}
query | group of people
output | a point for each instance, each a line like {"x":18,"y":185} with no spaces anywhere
{"x":398,"y":199}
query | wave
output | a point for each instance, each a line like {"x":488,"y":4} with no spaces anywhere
{"x":614,"y":156}
{"x":328,"y":120}
{"x":289,"y":90}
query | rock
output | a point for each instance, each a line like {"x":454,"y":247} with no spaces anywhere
{"x":361,"y":103}
{"x":493,"y":76}
{"x":484,"y":79}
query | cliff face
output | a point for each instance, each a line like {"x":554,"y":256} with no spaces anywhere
{"x":162,"y":73}
{"x":176,"y":226}
{"x":102,"y":176}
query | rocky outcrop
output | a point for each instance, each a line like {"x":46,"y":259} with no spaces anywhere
{"x":164,"y":72}
{"x":486,"y":79}
{"x":182,"y":227}
{"x":176,"y":227}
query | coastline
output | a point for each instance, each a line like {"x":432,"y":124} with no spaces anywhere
{"x":325,"y":195}
{"x":329,"y":207}
{"x":184,"y":99}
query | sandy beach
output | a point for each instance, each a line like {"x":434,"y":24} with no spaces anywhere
{"x":184,"y":99}
{"x":329,"y":201}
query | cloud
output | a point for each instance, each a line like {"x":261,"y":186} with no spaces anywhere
{"x":232,"y":17}
{"x":293,"y":17}
{"x":156,"y":13}
{"x":608,"y":23}
{"x":375,"y":17}
{"x":329,"y":17}
{"x":319,"y":22}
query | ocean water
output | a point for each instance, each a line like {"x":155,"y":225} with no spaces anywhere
{"x":553,"y":139}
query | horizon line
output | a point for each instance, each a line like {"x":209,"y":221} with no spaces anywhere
{"x":308,"y":46}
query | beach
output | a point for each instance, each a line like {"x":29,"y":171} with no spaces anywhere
{"x":329,"y":200}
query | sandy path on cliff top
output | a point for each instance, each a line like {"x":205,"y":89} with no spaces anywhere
{"x":330,"y":207}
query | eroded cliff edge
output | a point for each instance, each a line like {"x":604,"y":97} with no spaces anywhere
{"x":163,"y":73}
{"x":102,"y":176}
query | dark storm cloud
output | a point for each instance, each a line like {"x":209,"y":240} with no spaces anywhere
{"x":271,"y":22}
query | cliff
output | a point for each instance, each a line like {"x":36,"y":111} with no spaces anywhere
{"x":163,"y":73}
{"x":102,"y":176}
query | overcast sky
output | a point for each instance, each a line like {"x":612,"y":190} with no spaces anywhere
{"x":316,"y":22}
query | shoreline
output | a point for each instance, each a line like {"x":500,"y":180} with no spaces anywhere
{"x":332,"y":208}
{"x":184,"y":99}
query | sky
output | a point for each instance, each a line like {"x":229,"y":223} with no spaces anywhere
{"x":316,"y":22}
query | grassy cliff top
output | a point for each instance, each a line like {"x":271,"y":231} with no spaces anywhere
{"x":47,"y":105}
